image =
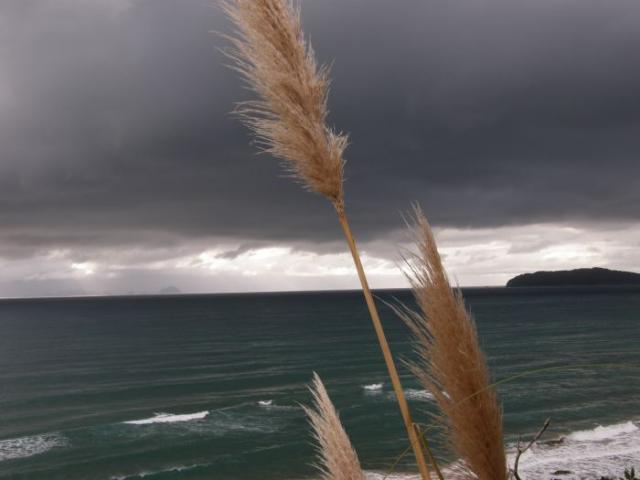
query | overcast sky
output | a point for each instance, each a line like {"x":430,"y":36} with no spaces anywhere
{"x":516,"y":125}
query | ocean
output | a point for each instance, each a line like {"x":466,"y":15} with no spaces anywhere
{"x":210,"y":386}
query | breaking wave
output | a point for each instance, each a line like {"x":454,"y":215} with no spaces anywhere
{"x":374,"y":387}
{"x":414,"y":394}
{"x":23,"y":447}
{"x":603,"y":433}
{"x":149,"y":473}
{"x":586,"y":454}
{"x":581,"y":455}
{"x":169,"y":418}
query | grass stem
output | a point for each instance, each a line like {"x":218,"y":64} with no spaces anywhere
{"x":384,"y":346}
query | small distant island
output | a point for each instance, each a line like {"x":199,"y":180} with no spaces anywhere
{"x":580,"y":276}
{"x":170,"y":290}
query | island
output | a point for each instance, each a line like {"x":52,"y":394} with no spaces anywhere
{"x":580,"y":276}
{"x":170,"y":290}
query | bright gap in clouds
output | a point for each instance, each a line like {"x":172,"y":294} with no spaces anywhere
{"x":473,"y":257}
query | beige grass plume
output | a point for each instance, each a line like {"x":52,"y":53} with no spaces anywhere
{"x":290,"y":121}
{"x":337,"y":458}
{"x":451,"y":364}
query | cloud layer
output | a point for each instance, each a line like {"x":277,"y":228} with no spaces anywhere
{"x":116,"y":135}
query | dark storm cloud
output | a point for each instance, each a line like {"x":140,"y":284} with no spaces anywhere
{"x":115,"y":130}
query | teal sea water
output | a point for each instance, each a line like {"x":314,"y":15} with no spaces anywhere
{"x":209,"y":387}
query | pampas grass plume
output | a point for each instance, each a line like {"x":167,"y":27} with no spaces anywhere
{"x":290,"y":120}
{"x":451,"y":364}
{"x":337,"y":458}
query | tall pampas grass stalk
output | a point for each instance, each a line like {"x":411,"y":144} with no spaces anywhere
{"x":290,"y":122}
{"x":337,"y":458}
{"x":451,"y":364}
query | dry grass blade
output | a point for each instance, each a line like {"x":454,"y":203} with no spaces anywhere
{"x":337,"y":458}
{"x":451,"y":364}
{"x":290,"y":119}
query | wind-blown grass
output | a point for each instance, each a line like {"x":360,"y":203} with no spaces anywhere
{"x":290,"y":122}
{"x":337,"y":458}
{"x":451,"y":364}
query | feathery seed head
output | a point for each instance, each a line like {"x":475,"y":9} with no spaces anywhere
{"x":337,"y":458}
{"x":290,"y":119}
{"x":451,"y":364}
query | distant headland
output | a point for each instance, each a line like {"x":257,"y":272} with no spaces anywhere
{"x":580,"y":276}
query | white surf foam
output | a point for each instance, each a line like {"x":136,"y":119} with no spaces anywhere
{"x":603,"y":433}
{"x":271,"y":406}
{"x":587,"y":454}
{"x":374,"y":387}
{"x":28,"y":446}
{"x":393,"y":476}
{"x":414,"y":394}
{"x":169,"y":418}
{"x":149,"y":473}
